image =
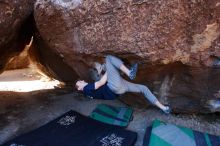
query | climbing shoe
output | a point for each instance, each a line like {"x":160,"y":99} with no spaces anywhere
{"x":167,"y":110}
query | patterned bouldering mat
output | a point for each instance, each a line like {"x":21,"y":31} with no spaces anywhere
{"x":74,"y":129}
{"x":164,"y":134}
{"x":119,"y":116}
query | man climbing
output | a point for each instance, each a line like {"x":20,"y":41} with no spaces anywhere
{"x":111,"y":84}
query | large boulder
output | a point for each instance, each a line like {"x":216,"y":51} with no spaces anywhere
{"x":16,"y":28}
{"x":177,"y":44}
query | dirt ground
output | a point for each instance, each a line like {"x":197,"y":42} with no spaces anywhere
{"x":21,"y":112}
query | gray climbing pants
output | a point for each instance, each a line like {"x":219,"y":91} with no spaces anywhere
{"x":119,"y":85}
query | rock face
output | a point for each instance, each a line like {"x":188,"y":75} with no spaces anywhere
{"x":15,"y":27}
{"x":22,"y":60}
{"x":186,"y":89}
{"x":177,"y":44}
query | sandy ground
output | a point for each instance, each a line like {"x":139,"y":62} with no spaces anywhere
{"x":21,"y":112}
{"x":25,"y":80}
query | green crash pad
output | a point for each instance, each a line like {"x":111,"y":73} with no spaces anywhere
{"x":119,"y":116}
{"x":164,"y":134}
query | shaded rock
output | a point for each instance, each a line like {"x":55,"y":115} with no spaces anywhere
{"x":186,"y":89}
{"x":15,"y":24}
{"x":49,"y":63}
{"x":157,"y":34}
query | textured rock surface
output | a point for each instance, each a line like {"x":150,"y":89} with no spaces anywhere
{"x":15,"y":28}
{"x":22,"y":60}
{"x":156,"y":31}
{"x":186,"y":89}
{"x":161,"y":35}
{"x":50,"y":63}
